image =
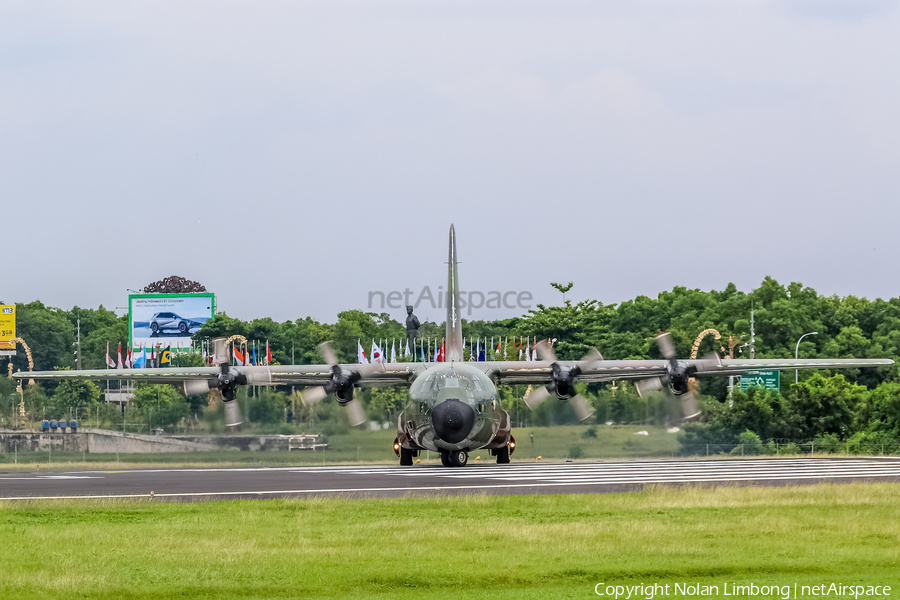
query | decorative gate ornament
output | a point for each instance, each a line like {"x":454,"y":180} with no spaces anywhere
{"x":174,"y":285}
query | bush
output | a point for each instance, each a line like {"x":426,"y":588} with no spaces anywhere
{"x":791,"y":448}
{"x":828,"y":442}
{"x":590,"y":432}
{"x":750,"y":444}
{"x":576,"y":452}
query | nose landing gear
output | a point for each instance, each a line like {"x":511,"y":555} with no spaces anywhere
{"x":456,"y":458}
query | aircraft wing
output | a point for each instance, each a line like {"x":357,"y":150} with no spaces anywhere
{"x":539,"y":372}
{"x":303,"y":375}
{"x":392,"y":374}
{"x":164,"y":375}
{"x":738,"y":366}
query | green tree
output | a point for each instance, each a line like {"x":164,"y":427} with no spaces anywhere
{"x":823,"y":405}
{"x":159,"y":405}
{"x":76,"y":394}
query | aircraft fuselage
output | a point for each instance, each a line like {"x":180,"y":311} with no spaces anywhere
{"x":453,"y":406}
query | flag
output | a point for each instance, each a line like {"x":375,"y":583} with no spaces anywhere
{"x":406,"y":353}
{"x":238,"y":356}
{"x":268,"y":353}
{"x":492,"y":347}
{"x":129,"y":361}
{"x":253,"y":361}
{"x":361,"y":354}
{"x":435,"y":350}
{"x":527,"y":349}
{"x":120,"y":366}
{"x":422,"y":349}
{"x":471,"y":350}
{"x":481,"y":350}
{"x":440,"y":354}
{"x":141,"y":361}
{"x":377,"y":354}
{"x":205,"y":355}
{"x":499,"y":343}
{"x":165,"y":357}
{"x":534,"y":356}
{"x":109,"y":360}
{"x":520,"y":346}
{"x":393,"y":352}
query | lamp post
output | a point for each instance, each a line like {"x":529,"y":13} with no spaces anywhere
{"x":797,"y":354}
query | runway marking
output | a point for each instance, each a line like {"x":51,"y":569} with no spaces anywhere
{"x":49,"y":477}
{"x":397,"y":489}
{"x":493,"y":477}
{"x":435,"y":470}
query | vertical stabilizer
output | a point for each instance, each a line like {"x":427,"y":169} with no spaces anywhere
{"x":454,"y":344}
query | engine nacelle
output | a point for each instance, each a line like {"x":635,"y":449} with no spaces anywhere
{"x":678,"y":378}
{"x":196,"y":387}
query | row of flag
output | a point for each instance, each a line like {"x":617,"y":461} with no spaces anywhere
{"x":139,"y":359}
{"x":479,"y":350}
{"x":248,"y":357}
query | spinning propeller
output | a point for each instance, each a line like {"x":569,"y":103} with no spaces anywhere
{"x":227,"y":382}
{"x":342,"y":384}
{"x":676,"y":377}
{"x":562,"y":383}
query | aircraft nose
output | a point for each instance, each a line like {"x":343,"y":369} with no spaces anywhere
{"x":452,"y":420}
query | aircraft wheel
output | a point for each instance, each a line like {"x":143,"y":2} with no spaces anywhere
{"x":503,"y":455}
{"x":445,"y":458}
{"x":459,"y":458}
{"x":406,"y":457}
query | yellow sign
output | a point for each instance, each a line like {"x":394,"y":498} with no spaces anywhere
{"x":7,"y":326}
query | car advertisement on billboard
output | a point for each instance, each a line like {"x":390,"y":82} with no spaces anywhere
{"x":167,"y":319}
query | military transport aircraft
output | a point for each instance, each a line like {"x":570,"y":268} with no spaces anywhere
{"x":453,"y":406}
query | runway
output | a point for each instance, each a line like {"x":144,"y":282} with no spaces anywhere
{"x":395,"y":481}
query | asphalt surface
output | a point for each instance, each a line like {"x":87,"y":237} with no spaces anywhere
{"x":395,"y":481}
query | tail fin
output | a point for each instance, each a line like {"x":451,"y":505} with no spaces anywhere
{"x":454,"y":343}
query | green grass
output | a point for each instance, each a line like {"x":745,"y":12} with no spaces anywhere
{"x":552,"y":443}
{"x":451,"y":548}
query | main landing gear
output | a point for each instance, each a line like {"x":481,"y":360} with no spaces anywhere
{"x":456,"y":458}
{"x":406,"y":456}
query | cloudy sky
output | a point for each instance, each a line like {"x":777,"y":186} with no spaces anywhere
{"x":295,"y":156}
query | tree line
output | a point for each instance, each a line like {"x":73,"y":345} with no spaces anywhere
{"x":848,"y":327}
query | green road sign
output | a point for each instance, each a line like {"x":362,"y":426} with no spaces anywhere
{"x":768,"y":380}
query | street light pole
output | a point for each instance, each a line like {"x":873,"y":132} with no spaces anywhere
{"x":797,"y":354}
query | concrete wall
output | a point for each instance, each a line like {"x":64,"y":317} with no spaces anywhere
{"x":96,"y":440}
{"x":33,"y":442}
{"x":107,"y":441}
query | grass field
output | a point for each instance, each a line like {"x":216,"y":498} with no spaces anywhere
{"x":375,"y":446}
{"x":452,"y":548}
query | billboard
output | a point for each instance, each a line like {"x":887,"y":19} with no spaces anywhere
{"x":7,"y":329}
{"x":167,"y":319}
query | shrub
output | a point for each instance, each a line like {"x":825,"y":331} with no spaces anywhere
{"x":750,"y":444}
{"x":790,"y":448}
{"x":828,"y":442}
{"x":576,"y":452}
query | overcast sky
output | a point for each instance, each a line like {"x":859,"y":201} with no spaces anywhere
{"x":294,"y":156}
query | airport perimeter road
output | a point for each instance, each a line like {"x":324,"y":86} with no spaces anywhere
{"x":394,"y":481}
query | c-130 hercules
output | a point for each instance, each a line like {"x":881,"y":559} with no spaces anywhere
{"x":453,"y":406}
